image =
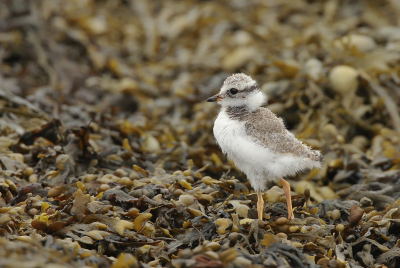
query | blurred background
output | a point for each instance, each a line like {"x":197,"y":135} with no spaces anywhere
{"x":142,"y":70}
{"x":116,"y":90}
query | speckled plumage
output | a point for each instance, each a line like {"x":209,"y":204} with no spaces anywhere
{"x":255,"y":138}
{"x":268,"y":130}
{"x":237,"y":79}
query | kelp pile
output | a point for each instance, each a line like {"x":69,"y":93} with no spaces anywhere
{"x":107,"y":156}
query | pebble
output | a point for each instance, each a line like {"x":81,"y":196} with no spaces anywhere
{"x":297,"y":244}
{"x":186,"y":200}
{"x":33,"y":178}
{"x":344,"y":80}
{"x":274,"y":194}
{"x":29,"y":171}
{"x":212,"y":254}
{"x":133,"y":175}
{"x":89,"y":178}
{"x":34,"y":211}
{"x":104,"y":187}
{"x":207,"y":180}
{"x":242,"y":262}
{"x":214,"y":246}
{"x":294,"y":229}
{"x":151,"y":144}
{"x":281,"y":235}
{"x":197,"y":250}
{"x":120,"y":173}
{"x":363,"y":43}
{"x":335,"y":215}
{"x":241,"y":210}
{"x":126,"y":182}
{"x":323,"y":262}
{"x":281,"y":221}
{"x":61,"y":160}
{"x":340,"y":227}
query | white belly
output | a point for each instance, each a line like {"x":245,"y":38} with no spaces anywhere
{"x":258,"y":163}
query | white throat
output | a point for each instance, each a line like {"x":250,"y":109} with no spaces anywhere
{"x":256,"y":100}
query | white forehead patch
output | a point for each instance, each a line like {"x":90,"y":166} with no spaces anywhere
{"x":239,"y":80}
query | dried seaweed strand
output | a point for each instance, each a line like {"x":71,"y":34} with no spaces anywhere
{"x":389,"y":103}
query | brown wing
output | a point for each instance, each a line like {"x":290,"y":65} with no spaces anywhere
{"x":269,"y":131}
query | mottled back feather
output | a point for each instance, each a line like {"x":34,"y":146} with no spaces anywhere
{"x":269,"y":131}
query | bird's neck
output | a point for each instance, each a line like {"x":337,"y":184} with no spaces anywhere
{"x":256,"y":100}
{"x":240,"y":113}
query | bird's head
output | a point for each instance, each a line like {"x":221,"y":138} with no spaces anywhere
{"x":240,"y":90}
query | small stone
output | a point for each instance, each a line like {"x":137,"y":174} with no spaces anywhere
{"x":178,"y":193}
{"x":120,"y":173}
{"x":89,"y":178}
{"x":61,"y":160}
{"x":281,"y":221}
{"x":150,"y":144}
{"x":323,"y":262}
{"x":366,"y":202}
{"x":104,"y":187}
{"x":33,"y":178}
{"x":344,"y":80}
{"x":340,"y":227}
{"x":29,"y":171}
{"x":126,"y":182}
{"x":134,"y":175}
{"x":281,"y":235}
{"x":186,"y":200}
{"x":214,"y":246}
{"x":362,"y":43}
{"x":294,"y":229}
{"x":185,"y":253}
{"x":33,"y":211}
{"x":335,"y":214}
{"x":212,"y":254}
{"x":207,"y":180}
{"x":242,"y":262}
{"x":197,"y":250}
{"x":228,"y":255}
{"x":297,"y":244}
{"x":355,"y":215}
{"x":274,"y":194}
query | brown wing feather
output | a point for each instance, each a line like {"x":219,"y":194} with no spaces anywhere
{"x":265,"y":128}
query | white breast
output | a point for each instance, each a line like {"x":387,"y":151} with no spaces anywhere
{"x":258,"y":163}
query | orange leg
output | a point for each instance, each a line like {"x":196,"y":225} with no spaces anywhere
{"x":260,"y":205}
{"x":286,"y":189}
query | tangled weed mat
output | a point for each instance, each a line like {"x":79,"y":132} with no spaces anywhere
{"x":107,"y":157}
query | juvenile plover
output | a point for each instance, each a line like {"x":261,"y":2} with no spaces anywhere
{"x":257,"y":140}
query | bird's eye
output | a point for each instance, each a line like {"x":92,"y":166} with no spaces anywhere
{"x":233,"y":91}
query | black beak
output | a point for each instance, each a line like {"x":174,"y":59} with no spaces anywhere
{"x":216,"y":97}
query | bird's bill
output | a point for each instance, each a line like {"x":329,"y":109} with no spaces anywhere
{"x":216,"y":97}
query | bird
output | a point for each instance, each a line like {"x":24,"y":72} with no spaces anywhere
{"x":256,"y":140}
